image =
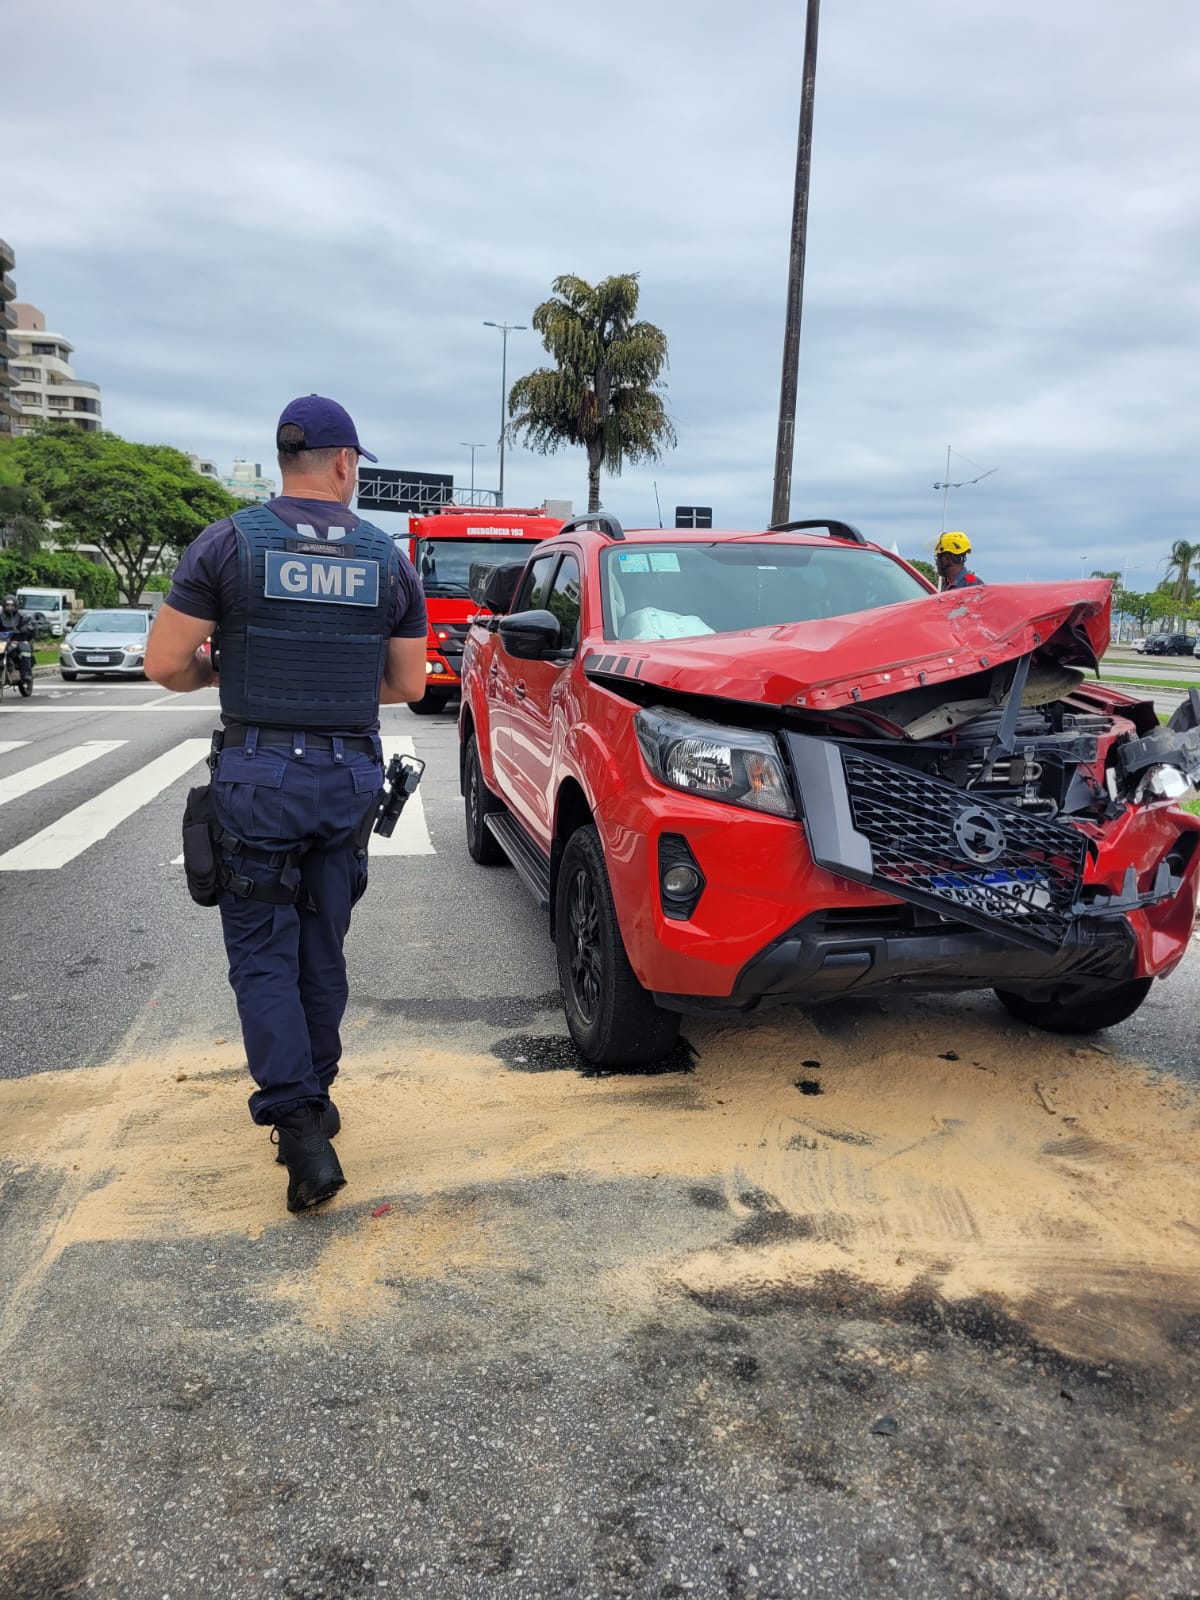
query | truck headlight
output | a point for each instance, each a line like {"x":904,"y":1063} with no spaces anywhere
{"x":736,"y":765}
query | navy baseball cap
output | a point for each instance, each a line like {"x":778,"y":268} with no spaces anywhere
{"x":324,"y":424}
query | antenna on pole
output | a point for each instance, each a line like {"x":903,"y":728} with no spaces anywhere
{"x":966,"y":483}
{"x":657,"y":502}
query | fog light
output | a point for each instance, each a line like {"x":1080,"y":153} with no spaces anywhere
{"x":680,"y":882}
{"x":428,"y":667}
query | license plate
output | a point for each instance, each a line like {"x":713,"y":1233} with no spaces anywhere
{"x":1026,"y":885}
{"x":103,"y":660}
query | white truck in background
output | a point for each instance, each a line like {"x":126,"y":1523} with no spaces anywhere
{"x":56,"y":605}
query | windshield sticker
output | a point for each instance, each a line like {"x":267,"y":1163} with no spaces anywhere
{"x":664,"y":561}
{"x":630,"y":561}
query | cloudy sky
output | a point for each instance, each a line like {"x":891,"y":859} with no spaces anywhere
{"x":223,"y":205}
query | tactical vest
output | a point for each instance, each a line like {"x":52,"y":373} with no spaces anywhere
{"x":306,"y":644}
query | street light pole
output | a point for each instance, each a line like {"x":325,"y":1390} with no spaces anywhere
{"x":470,"y":445}
{"x":505,"y":329}
{"x":785,"y":444}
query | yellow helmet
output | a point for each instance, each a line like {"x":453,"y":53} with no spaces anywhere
{"x":954,"y":544}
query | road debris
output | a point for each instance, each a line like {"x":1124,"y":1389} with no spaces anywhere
{"x":1045,"y":1099}
{"x":382,"y":1211}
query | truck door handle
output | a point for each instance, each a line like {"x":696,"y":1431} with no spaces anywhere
{"x":519,"y":689}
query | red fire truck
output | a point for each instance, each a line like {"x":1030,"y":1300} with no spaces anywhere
{"x":444,"y":546}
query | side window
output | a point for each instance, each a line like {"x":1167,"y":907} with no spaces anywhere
{"x":536,"y":585}
{"x":563,"y":600}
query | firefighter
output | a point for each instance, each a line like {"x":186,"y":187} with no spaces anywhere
{"x":951,"y":554}
{"x":321,"y":619}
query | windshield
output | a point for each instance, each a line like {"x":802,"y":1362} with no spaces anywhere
{"x":35,"y":600}
{"x":679,"y":591}
{"x":444,"y":565}
{"x":112,"y":622}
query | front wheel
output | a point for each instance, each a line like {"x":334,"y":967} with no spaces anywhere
{"x":1087,"y":1014}
{"x":612,"y":1019}
{"x":67,"y":677}
{"x":429,"y":706}
{"x":26,"y":688}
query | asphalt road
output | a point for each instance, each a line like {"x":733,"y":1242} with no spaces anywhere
{"x":698,"y":1332}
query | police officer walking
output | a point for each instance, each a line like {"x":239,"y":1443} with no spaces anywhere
{"x":320,"y":619}
{"x":950,"y":553}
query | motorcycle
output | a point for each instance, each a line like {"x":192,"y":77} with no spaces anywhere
{"x":16,"y":665}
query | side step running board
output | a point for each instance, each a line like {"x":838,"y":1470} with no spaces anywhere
{"x":532,"y":866}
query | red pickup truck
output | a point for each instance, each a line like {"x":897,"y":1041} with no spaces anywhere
{"x":747,"y":768}
{"x":448,"y":548}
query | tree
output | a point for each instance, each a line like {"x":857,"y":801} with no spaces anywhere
{"x":1138,"y":606}
{"x":134,"y":501}
{"x":925,"y":568}
{"x":603,"y":391}
{"x":1179,"y":568}
{"x":22,"y":519}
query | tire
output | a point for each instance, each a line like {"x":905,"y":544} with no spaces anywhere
{"x":67,"y":677}
{"x":26,"y":688}
{"x":612,"y":1019}
{"x":430,"y":706}
{"x":479,"y":803}
{"x":1083,"y":1015}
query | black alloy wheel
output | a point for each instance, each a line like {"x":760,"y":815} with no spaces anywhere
{"x":583,"y":941}
{"x":612,"y":1019}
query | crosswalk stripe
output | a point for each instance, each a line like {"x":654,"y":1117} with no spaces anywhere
{"x":71,"y":835}
{"x":59,"y":766}
{"x":11,"y":744}
{"x":411,"y":837}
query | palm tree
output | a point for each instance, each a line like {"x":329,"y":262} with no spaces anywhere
{"x":602,"y":392}
{"x":1179,"y":564}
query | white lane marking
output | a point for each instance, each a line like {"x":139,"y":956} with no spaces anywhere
{"x":112,"y":709}
{"x":56,"y":767}
{"x":11,"y":744}
{"x":62,"y":841}
{"x":171,"y":699}
{"x":411,"y":837}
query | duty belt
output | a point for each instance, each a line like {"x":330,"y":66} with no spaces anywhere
{"x":281,"y":738}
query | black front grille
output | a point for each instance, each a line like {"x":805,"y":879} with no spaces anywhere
{"x":964,"y":854}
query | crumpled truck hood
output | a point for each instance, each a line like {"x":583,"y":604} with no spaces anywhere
{"x":866,"y":655}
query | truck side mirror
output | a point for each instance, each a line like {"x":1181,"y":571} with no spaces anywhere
{"x":530,"y":635}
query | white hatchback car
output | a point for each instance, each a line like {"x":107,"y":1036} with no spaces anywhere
{"x":112,"y":644}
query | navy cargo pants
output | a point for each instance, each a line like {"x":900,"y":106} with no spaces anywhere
{"x":286,"y":963}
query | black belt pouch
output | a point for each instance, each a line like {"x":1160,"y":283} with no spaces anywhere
{"x":201,"y":865}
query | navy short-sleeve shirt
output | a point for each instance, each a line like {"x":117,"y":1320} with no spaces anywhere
{"x":206,"y":581}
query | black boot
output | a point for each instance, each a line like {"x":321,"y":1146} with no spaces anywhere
{"x":331,"y":1126}
{"x":314,"y":1171}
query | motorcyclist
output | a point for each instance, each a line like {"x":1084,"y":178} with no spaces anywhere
{"x":951,"y":552}
{"x":20,"y":629}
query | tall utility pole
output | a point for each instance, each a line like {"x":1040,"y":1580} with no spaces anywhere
{"x":505,"y":329}
{"x":469,"y":444}
{"x":781,"y":499}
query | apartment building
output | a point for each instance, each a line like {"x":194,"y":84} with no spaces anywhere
{"x":47,"y":389}
{"x":246,"y":480}
{"x":8,"y":350}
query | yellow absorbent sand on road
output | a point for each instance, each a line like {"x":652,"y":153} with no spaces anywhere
{"x":1050,"y":1181}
